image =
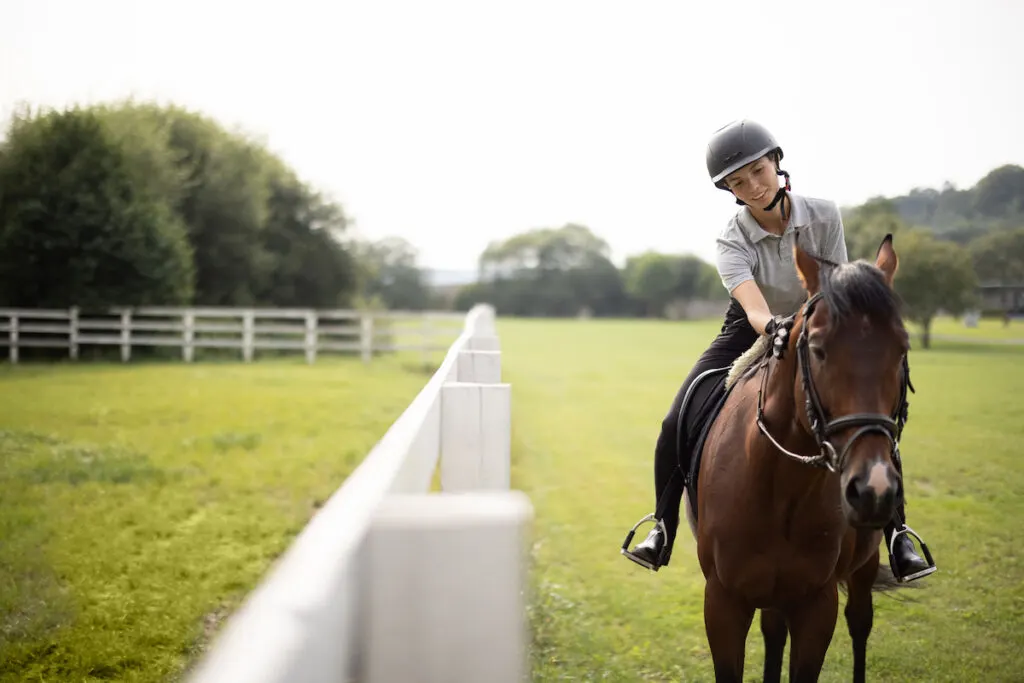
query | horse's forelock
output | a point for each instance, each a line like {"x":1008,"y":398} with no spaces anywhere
{"x":859,"y":288}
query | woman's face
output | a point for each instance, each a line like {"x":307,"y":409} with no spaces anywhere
{"x":756,"y":183}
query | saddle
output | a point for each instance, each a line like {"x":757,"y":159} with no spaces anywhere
{"x":702,"y":404}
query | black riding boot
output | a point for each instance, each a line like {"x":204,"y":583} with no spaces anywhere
{"x":906,"y":564}
{"x":650,"y":552}
{"x":655,"y":551}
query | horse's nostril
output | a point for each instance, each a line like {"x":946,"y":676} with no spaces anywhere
{"x":853,"y":491}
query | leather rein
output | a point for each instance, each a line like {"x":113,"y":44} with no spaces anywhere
{"x":823,"y":429}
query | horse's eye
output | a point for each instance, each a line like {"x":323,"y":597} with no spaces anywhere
{"x":818,"y":352}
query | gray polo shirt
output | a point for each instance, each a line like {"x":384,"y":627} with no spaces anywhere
{"x":745,"y":251}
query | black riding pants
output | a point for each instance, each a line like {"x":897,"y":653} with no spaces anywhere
{"x":670,"y":466}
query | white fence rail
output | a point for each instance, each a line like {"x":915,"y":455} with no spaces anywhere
{"x":389,"y":581}
{"x":247,"y":330}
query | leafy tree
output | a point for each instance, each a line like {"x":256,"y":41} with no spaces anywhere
{"x":934,"y":275}
{"x":84,"y":218}
{"x":657,"y":280}
{"x":303,"y":234}
{"x":223,"y":199}
{"x":998,"y":258}
{"x":389,"y":272}
{"x":552,"y":272}
{"x":866,"y":225}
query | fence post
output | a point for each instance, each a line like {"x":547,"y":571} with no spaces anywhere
{"x":12,"y":335}
{"x":126,"y":335}
{"x":311,"y":335}
{"x":476,"y":436}
{"x":188,"y":336}
{"x":444,"y":597}
{"x":366,"y":336}
{"x":247,"y":335}
{"x":479,"y":366}
{"x":73,"y":333}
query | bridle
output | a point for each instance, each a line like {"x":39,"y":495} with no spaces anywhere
{"x":822,"y":428}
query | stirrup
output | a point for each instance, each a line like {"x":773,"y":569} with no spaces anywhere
{"x":629,"y":539}
{"x":930,"y":569}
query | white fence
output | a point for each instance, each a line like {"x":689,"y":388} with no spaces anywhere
{"x":389,"y":581}
{"x":244,"y":329}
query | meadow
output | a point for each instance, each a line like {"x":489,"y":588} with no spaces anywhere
{"x":139,"y":504}
{"x":588,"y":400}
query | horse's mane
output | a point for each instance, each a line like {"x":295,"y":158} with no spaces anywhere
{"x":857,"y":287}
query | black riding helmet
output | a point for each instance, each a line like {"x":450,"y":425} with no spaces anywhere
{"x":736,"y":145}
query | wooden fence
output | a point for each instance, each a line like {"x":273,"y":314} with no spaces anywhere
{"x":246,"y":330}
{"x":390,"y":581}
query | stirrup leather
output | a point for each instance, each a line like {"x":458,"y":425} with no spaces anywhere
{"x":924,"y":549}
{"x":632,"y":532}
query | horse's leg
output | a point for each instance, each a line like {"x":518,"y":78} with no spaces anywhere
{"x":860,"y":613}
{"x":811,"y":626}
{"x":727,"y":622}
{"x":774,"y":630}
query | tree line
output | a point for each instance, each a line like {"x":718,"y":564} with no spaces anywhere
{"x":138,"y":204}
{"x":131,"y":204}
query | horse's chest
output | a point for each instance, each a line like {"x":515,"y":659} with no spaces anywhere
{"x":778,"y":555}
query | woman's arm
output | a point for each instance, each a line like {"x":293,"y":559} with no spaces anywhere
{"x":754,"y":305}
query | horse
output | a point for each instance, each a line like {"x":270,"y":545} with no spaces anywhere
{"x":799,"y":472}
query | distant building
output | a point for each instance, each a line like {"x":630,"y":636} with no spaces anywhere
{"x":1001,"y":297}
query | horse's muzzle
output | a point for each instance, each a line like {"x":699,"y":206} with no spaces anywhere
{"x":870,"y":495}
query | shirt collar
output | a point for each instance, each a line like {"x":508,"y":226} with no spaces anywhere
{"x":798,"y":218}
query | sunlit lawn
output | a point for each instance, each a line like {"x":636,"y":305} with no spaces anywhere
{"x":987,"y":328}
{"x":140,"y":503}
{"x":588,"y":399}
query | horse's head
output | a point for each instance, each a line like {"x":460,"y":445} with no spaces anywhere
{"x":852,"y":349}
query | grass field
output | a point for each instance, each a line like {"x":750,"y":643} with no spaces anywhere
{"x":588,"y":399}
{"x":987,"y":329}
{"x":139,"y":504}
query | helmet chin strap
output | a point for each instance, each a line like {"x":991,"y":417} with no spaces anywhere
{"x":780,"y":194}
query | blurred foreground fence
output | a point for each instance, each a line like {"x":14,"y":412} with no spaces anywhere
{"x":246,"y":330}
{"x":391,"y":581}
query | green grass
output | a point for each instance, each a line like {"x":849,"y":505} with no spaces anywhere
{"x":139,"y":504}
{"x":588,"y":400}
{"x":987,"y":329}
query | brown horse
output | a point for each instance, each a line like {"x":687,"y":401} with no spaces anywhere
{"x":799,"y":475}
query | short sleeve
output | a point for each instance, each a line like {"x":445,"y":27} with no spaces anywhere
{"x":734,"y":261}
{"x":836,"y":244}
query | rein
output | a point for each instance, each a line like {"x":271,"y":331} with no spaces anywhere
{"x":823,"y":430}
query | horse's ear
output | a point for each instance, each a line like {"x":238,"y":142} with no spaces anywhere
{"x":806,"y":268}
{"x":887,"y":260}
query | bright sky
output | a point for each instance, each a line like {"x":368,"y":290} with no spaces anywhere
{"x":456,"y":123}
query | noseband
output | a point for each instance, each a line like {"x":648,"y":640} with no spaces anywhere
{"x":823,"y":429}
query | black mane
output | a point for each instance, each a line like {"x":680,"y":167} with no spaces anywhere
{"x":859,"y":287}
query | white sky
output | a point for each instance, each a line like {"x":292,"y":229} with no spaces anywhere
{"x":456,"y":123}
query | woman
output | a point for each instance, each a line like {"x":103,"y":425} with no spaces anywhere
{"x":755,"y":262}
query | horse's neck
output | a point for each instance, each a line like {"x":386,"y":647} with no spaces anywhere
{"x":781,"y":415}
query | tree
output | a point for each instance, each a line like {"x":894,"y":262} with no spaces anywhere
{"x":866,"y":225}
{"x":303,"y":234}
{"x":388,"y":271}
{"x":658,"y":280}
{"x":933,"y":275}
{"x":552,"y":272}
{"x":84,"y":216}
{"x":998,"y":259}
{"x":223,"y":199}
